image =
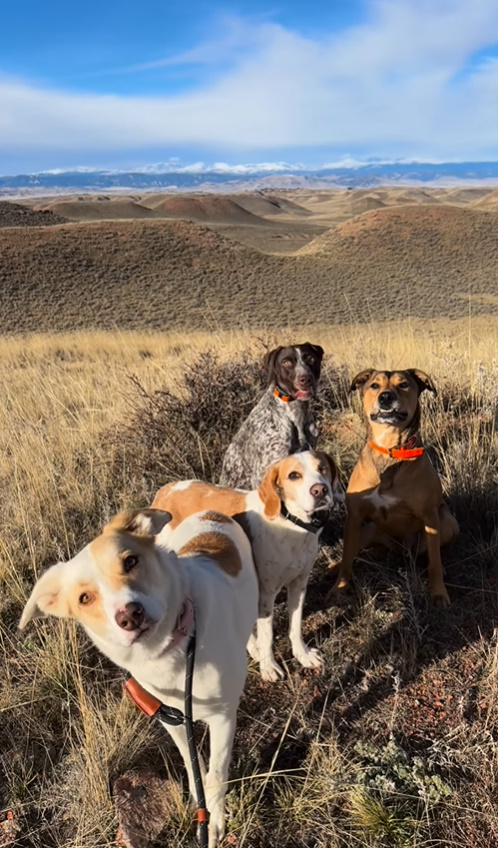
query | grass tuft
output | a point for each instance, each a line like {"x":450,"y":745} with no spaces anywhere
{"x":394,"y":743}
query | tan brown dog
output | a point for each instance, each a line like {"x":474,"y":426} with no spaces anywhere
{"x":395,"y":491}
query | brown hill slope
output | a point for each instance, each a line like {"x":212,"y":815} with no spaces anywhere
{"x":16,"y":215}
{"x":207,"y":209}
{"x":386,"y":264}
{"x":97,"y":209}
{"x":487,"y":201}
{"x":422,"y":231}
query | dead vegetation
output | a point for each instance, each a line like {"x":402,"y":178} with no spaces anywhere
{"x":18,"y":215}
{"x":394,"y":744}
{"x":424,"y":261}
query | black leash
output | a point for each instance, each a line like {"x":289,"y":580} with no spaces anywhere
{"x":153,"y":708}
{"x":313,"y":526}
{"x":202,"y":813}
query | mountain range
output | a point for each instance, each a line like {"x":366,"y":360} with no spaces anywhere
{"x":224,"y":177}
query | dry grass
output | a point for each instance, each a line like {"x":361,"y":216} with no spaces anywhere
{"x":421,"y":261}
{"x":394,"y":744}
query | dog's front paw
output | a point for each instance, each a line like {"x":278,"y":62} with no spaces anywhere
{"x":342,"y":582}
{"x":310,"y":658}
{"x":440,"y":598}
{"x":216,"y":828}
{"x":252,"y":647}
{"x":271,"y":671}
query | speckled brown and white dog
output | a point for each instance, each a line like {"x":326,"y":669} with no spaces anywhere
{"x":395,"y":491}
{"x":283,"y":519}
{"x":281,"y":423}
{"x":132,"y":592}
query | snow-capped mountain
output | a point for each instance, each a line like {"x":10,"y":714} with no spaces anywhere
{"x":199,"y":176}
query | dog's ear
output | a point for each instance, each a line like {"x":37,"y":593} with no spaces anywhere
{"x":317,"y":349}
{"x":422,"y":380}
{"x":361,"y":378}
{"x":337,"y":490}
{"x":141,"y":522}
{"x":47,"y":597}
{"x":268,"y":492}
{"x":269,"y":364}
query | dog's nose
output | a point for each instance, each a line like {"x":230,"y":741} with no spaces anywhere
{"x":386,"y":400}
{"x":303,"y":379}
{"x":130,"y":617}
{"x":318,"y":491}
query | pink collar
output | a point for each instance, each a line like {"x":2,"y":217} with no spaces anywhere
{"x":183,"y":624}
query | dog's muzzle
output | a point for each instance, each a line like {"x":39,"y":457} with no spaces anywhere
{"x":388,"y":416}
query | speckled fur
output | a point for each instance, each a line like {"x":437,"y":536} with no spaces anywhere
{"x":274,"y":428}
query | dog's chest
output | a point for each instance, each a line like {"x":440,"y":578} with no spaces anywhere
{"x":284,"y":554}
{"x":378,"y":504}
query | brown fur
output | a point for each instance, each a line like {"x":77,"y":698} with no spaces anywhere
{"x":215,"y":516}
{"x":268,"y":492}
{"x":411,"y":489}
{"x":200,"y":496}
{"x":218,"y":547}
{"x":197,"y":497}
{"x":92,"y":614}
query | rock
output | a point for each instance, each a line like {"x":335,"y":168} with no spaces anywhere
{"x":142,"y":808}
{"x":9,"y":829}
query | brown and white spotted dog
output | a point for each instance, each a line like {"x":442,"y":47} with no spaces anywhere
{"x":129,"y":590}
{"x":395,"y":491}
{"x":301,"y":488}
{"x":281,"y":423}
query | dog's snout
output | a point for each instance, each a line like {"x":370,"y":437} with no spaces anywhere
{"x":130,"y":617}
{"x":303,"y":379}
{"x":318,"y":491}
{"x":386,"y":399}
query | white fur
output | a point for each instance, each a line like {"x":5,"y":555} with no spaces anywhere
{"x":284,"y":555}
{"x":225,"y":613}
{"x":380,"y":501}
{"x":183,"y":484}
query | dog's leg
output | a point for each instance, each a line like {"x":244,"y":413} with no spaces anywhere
{"x":296,"y":592}
{"x":270,"y":669}
{"x":448,"y":525}
{"x":221,"y":733}
{"x":252,"y":647}
{"x":179,"y":737}
{"x":436,"y":582}
{"x":356,"y":537}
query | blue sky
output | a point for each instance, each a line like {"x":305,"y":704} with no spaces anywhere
{"x":122,"y":83}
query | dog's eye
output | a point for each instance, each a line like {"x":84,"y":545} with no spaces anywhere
{"x":311,"y":360}
{"x":403,"y":385}
{"x":294,"y":475}
{"x":130,"y":562}
{"x":323,"y":470}
{"x":374,"y":386}
{"x":287,"y":363}
{"x":85,"y":598}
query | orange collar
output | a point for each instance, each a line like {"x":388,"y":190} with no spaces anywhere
{"x":281,"y":395}
{"x":405,"y":452}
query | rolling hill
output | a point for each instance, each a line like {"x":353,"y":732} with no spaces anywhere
{"x":17,"y":215}
{"x":424,"y":261}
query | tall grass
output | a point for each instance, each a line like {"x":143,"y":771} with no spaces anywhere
{"x":394,"y":744}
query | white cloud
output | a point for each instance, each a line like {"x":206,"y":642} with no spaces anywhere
{"x":401,"y":83}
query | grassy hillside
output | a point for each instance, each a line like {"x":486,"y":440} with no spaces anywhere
{"x":17,"y":215}
{"x":419,"y":261}
{"x":394,"y":744}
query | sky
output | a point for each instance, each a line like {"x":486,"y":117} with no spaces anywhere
{"x":127,"y":83}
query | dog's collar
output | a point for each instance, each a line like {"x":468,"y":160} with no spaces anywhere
{"x":407,"y":451}
{"x":281,"y":395}
{"x":313,"y":526}
{"x":183,"y":625}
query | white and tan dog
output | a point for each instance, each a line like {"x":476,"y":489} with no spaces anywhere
{"x":304,"y":486}
{"x":128,"y":590}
